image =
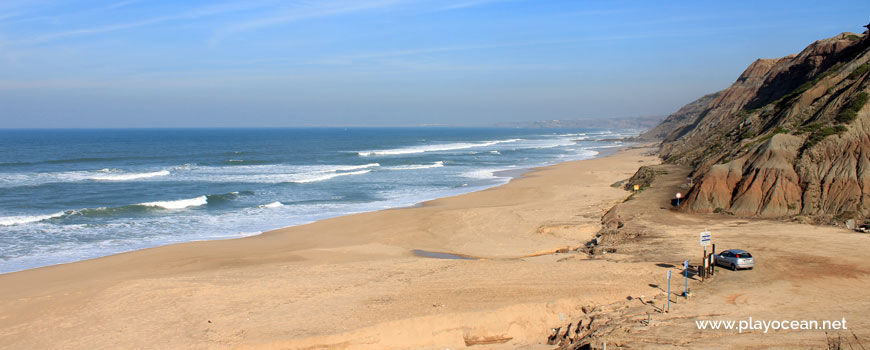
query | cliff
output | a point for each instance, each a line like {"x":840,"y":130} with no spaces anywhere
{"x":790,"y":137}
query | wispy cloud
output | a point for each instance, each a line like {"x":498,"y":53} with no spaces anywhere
{"x":303,"y":11}
{"x":347,"y":59}
{"x":121,"y":4}
{"x":8,"y":15}
{"x":191,"y":14}
{"x":472,"y":3}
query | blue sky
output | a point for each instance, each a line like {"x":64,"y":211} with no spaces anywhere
{"x":141,"y":63}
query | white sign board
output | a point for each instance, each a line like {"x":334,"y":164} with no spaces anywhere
{"x":705,"y":238}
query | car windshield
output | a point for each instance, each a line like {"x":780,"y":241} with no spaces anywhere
{"x":744,"y":255}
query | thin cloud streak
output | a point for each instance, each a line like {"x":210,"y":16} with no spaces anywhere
{"x":194,"y":14}
{"x":121,"y":4}
{"x":471,"y":4}
{"x":307,"y":11}
{"x":420,"y":51}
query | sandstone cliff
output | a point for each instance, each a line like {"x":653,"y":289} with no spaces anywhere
{"x":790,"y":137}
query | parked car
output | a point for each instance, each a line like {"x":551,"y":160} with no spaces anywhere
{"x":734,"y":259}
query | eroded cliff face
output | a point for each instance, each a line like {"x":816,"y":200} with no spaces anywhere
{"x":790,"y":137}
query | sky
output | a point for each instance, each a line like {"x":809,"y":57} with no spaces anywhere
{"x":261,"y":63}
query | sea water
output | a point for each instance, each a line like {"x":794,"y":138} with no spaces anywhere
{"x":69,"y":195}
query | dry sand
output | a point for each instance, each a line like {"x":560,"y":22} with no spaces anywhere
{"x":353,"y":282}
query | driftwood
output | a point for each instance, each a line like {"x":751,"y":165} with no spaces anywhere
{"x":482,"y":340}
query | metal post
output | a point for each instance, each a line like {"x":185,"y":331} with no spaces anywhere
{"x":686,"y":275}
{"x":669,"y":290}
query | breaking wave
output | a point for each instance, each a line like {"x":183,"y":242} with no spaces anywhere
{"x":128,"y":177}
{"x":306,"y":178}
{"x":21,"y":220}
{"x":275,"y":204}
{"x":178,"y":204}
{"x":432,"y":148}
{"x":437,"y":164}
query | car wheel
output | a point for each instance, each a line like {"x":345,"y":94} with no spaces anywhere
{"x":733,"y":267}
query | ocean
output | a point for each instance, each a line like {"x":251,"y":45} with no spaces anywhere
{"x":69,"y":195}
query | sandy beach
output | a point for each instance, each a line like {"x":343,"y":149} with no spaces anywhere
{"x":354,"y":282}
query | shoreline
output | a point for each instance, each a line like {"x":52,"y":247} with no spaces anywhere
{"x":347,"y":265}
{"x":508,"y":174}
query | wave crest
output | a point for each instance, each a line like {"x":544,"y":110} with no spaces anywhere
{"x":325,"y":176}
{"x":178,"y":204}
{"x":127,"y":177}
{"x":24,"y":219}
{"x":275,"y":204}
{"x":432,"y":148}
{"x":437,"y":164}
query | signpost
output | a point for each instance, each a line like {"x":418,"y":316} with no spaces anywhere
{"x":704,"y":239}
{"x":679,"y":195}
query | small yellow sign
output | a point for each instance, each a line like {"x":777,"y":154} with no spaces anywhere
{"x":637,"y":187}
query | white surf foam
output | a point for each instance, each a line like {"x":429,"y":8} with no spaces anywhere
{"x":21,"y":220}
{"x":352,"y":167}
{"x":323,"y":176}
{"x":129,"y":176}
{"x":275,"y":204}
{"x":432,"y":148}
{"x":437,"y":164}
{"x":483,"y":174}
{"x":178,"y":204}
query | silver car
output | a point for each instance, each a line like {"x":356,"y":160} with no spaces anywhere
{"x":735,"y":259}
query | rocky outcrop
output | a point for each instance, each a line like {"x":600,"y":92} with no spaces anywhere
{"x":642,"y":178}
{"x":790,"y":137}
{"x":762,"y":184}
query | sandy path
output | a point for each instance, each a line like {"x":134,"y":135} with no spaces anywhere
{"x":349,"y":282}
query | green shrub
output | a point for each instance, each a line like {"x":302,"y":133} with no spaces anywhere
{"x":824,"y":132}
{"x":848,"y":114}
{"x":859,"y":71}
{"x":810,"y":83}
{"x":809,"y":128}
